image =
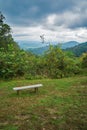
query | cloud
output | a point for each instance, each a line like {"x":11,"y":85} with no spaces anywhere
{"x":20,"y":11}
{"x":61,"y":20}
{"x":70,"y":19}
{"x":60,"y":35}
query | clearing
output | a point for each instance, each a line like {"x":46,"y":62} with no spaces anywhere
{"x":61,"y":104}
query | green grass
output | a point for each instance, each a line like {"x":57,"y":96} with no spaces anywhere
{"x":61,"y":104}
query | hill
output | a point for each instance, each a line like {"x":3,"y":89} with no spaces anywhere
{"x":34,"y":45}
{"x":42,"y":49}
{"x":75,"y":47}
{"x":79,"y":49}
{"x":69,"y":44}
{"x":38,"y":51}
{"x":39,"y":48}
{"x":30,"y":45}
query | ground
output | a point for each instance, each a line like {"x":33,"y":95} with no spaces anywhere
{"x":59,"y":105}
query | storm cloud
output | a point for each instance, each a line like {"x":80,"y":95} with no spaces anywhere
{"x":52,"y":17}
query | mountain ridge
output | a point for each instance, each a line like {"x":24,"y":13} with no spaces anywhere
{"x":32,"y":44}
{"x":78,"y":49}
{"x":41,"y":50}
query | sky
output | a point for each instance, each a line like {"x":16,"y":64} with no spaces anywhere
{"x":58,"y":20}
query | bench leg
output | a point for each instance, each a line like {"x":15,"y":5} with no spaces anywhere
{"x":17,"y":92}
{"x":36,"y":89}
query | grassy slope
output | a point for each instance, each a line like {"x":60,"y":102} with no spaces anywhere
{"x":59,"y":105}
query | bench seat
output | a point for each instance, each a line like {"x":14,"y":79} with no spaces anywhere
{"x":36,"y":86}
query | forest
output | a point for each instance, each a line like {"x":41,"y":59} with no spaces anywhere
{"x":54,"y":63}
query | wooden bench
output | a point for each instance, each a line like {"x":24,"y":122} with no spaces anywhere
{"x":36,"y":86}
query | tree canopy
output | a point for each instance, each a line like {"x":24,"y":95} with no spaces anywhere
{"x":5,"y":34}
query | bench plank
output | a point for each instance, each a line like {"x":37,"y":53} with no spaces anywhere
{"x":36,"y":86}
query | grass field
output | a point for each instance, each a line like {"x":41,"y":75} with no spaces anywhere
{"x":61,"y":104}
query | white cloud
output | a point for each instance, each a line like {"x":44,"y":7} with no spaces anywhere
{"x":51,"y":19}
{"x":61,"y":34}
{"x":69,"y":19}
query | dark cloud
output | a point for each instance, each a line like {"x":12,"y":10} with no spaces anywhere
{"x":69,"y":13}
{"x":20,"y":35}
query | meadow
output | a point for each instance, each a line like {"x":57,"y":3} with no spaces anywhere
{"x":61,"y":104}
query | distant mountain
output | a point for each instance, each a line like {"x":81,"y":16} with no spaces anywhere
{"x":69,"y":44}
{"x":79,"y":49}
{"x":38,"y":51}
{"x":30,"y":45}
{"x":39,"y":48}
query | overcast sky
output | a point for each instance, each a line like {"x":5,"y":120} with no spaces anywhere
{"x":58,"y":20}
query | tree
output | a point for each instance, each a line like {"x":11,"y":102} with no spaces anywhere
{"x":56,"y":63}
{"x":84,"y":60}
{"x":5,"y":34}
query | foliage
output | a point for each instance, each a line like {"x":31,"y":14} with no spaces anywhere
{"x":59,"y":64}
{"x":84,"y":60}
{"x":78,"y":50}
{"x":5,"y":34}
{"x":13,"y":63}
{"x":54,"y":63}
